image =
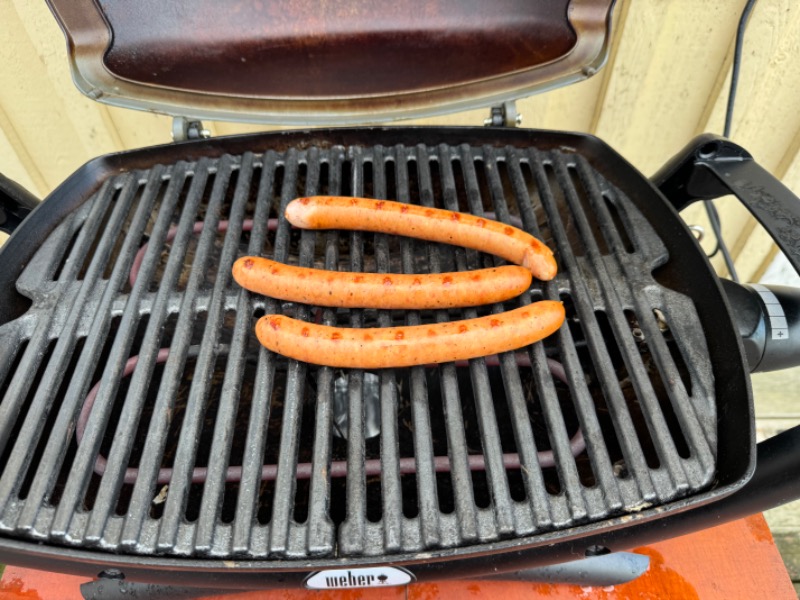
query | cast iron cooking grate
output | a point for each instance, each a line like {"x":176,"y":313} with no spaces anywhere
{"x":139,"y":415}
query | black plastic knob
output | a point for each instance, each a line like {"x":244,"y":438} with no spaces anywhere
{"x":768,"y":318}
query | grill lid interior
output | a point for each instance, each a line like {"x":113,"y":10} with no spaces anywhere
{"x":303,"y":61}
{"x":139,"y":415}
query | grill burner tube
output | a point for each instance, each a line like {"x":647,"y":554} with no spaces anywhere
{"x":338,"y":468}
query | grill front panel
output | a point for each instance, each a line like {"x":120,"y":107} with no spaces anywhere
{"x":139,"y":414}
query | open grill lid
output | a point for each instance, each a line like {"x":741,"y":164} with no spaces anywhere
{"x":298,"y":62}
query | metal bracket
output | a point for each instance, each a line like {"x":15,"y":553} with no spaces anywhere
{"x":607,"y":569}
{"x":504,"y":115}
{"x":188,"y":129}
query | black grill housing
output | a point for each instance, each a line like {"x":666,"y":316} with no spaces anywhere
{"x":643,"y":374}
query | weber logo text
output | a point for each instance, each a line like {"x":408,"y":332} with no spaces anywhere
{"x":338,"y":579}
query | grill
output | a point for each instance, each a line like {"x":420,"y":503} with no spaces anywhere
{"x":146,"y":436}
{"x":139,"y":415}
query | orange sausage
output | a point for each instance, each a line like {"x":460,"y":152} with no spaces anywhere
{"x":379,"y":290}
{"x":385,"y":347}
{"x":432,"y":224}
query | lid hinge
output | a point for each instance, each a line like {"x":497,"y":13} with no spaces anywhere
{"x":188,"y":129}
{"x":504,"y":115}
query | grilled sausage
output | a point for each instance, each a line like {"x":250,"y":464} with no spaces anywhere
{"x":385,"y":347}
{"x":432,"y":224}
{"x":379,"y":290}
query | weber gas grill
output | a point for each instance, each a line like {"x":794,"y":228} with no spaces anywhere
{"x":145,"y":433}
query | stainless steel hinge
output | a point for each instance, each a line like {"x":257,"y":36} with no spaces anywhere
{"x":504,"y":115}
{"x":188,"y":129}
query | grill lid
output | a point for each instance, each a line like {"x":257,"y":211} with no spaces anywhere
{"x":302,"y":61}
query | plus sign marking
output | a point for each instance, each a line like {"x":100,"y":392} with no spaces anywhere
{"x":777,"y":318}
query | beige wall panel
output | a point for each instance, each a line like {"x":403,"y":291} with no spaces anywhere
{"x":664,"y":70}
{"x":235,"y":128}
{"x":15,"y":162}
{"x":32,"y":103}
{"x":138,"y":129}
{"x":570,"y":109}
{"x":91,"y":122}
{"x":766,"y":119}
{"x":772,"y":36}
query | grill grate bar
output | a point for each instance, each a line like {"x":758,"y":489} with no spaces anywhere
{"x":155,"y":441}
{"x":77,"y":253}
{"x":126,"y":428}
{"x":677,"y":392}
{"x":599,"y":352}
{"x":63,"y":243}
{"x":253,"y":457}
{"x":457,"y":449}
{"x":390,"y":459}
{"x":429,"y":522}
{"x":554,"y":417}
{"x":321,"y":531}
{"x":81,"y":469}
{"x":54,"y":452}
{"x":286,"y":481}
{"x":351,"y":535}
{"x":658,"y":427}
{"x":535,"y":488}
{"x":487,"y":419}
{"x":557,"y":430}
{"x":181,"y":479}
{"x":21,"y":380}
{"x":626,"y":434}
{"x":571,"y":488}
{"x":583,"y":403}
{"x":214,"y":487}
{"x":542,"y":506}
{"x":139,"y":503}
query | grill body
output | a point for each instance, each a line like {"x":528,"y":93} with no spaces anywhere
{"x":206,"y":455}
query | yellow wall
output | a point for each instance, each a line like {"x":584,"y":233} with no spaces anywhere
{"x":666,"y":81}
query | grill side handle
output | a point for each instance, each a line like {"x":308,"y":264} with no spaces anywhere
{"x":768,"y":317}
{"x":16,"y":203}
{"x":711,"y":166}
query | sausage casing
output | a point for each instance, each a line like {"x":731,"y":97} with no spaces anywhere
{"x":386,"y":347}
{"x":432,"y":224}
{"x":380,"y":290}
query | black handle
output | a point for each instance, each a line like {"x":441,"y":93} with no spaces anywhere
{"x":712,"y":166}
{"x":15,"y":204}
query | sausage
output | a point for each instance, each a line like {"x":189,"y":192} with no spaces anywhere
{"x":432,"y":224}
{"x":385,"y":347}
{"x":379,"y":290}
